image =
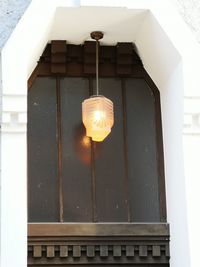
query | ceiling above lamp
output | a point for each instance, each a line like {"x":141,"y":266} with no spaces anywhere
{"x":97,"y":111}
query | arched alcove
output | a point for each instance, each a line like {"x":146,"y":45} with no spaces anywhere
{"x":118,"y":183}
{"x":24,"y":48}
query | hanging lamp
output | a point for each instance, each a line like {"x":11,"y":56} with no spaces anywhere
{"x":97,"y":111}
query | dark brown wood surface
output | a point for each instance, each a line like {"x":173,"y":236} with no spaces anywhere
{"x":122,"y":171}
{"x":117,"y":180}
{"x":142,"y":158}
{"x":43,"y":198}
{"x":98,"y":244}
{"x":120,"y":180}
{"x":111,"y":198}
{"x":79,"y":60}
{"x":76,"y":152}
{"x":97,"y":229}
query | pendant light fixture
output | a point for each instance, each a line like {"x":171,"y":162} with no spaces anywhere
{"x":97,"y":111}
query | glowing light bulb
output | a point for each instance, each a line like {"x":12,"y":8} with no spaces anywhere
{"x":98,"y":117}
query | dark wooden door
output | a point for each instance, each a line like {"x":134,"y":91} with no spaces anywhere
{"x":73,"y":179}
{"x":93,"y":203}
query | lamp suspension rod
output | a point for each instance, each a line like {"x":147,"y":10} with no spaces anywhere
{"x":97,"y":35}
{"x":97,"y":67}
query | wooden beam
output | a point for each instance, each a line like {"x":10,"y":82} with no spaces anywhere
{"x":97,"y":229}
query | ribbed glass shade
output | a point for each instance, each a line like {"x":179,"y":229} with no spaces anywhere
{"x":98,"y":117}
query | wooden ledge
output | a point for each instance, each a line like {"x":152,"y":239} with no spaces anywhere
{"x":98,"y":229}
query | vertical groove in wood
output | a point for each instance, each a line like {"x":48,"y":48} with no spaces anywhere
{"x":125,"y":148}
{"x":93,"y":181}
{"x":63,"y":251}
{"x":160,"y":159}
{"x":50,"y":252}
{"x":59,"y":145}
{"x":37,"y":251}
{"x":159,"y":144}
{"x":103,"y":251}
{"x":143,"y":251}
{"x":94,"y":207}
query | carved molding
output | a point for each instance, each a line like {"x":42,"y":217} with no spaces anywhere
{"x":145,"y":246}
{"x":96,"y":252}
{"x":60,"y":58}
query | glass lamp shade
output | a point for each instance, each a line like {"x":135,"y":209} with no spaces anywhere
{"x":98,"y":117}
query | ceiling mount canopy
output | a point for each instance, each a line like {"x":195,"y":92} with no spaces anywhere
{"x":97,"y":111}
{"x":96,"y":35}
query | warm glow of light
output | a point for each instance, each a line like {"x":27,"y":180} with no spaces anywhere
{"x":86,"y":141}
{"x":98,"y":117}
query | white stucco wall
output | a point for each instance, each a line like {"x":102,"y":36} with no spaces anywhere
{"x":12,"y":10}
{"x":169,"y":53}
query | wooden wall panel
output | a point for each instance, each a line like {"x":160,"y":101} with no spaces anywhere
{"x":111,"y":181}
{"x":142,"y":161}
{"x":109,"y":162}
{"x":76,"y":152}
{"x":42,"y":152}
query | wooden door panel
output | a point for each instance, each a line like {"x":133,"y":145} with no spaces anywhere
{"x":142,"y":158}
{"x":115,"y":180}
{"x":95,"y":203}
{"x":76,"y":152}
{"x":42,"y":152}
{"x":110,"y":173}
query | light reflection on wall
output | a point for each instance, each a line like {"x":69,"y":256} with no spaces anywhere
{"x":82,"y":145}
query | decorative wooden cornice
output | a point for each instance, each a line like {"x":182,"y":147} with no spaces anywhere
{"x":62,"y":59}
{"x":94,"y":244}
